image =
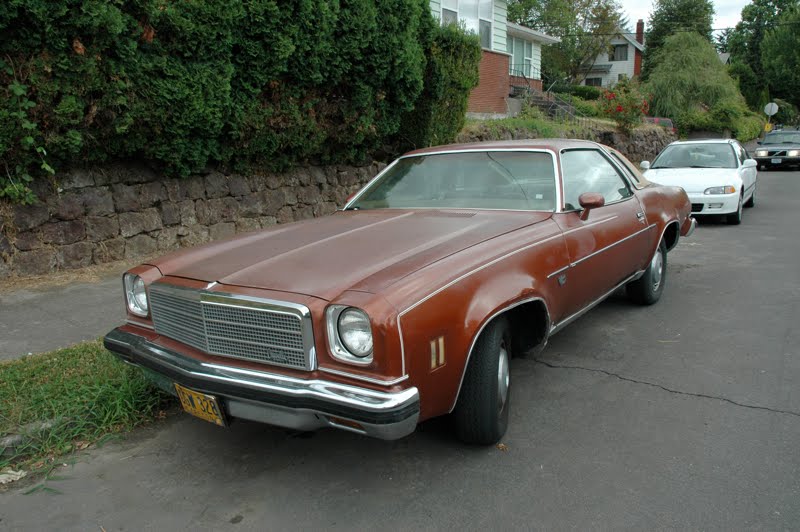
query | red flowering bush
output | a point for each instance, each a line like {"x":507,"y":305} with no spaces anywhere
{"x":625,"y":104}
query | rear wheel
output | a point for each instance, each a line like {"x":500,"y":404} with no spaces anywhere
{"x":752,"y":201}
{"x":648,"y":288}
{"x":736,"y":217}
{"x":481,"y":413}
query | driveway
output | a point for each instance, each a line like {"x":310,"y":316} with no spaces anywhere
{"x":682,"y":415}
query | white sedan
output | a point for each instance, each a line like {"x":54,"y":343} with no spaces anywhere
{"x":717,"y":175}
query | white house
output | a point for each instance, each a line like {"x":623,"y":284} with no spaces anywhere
{"x":623,"y":60}
{"x":508,"y":49}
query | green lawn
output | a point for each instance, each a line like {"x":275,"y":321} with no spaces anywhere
{"x":83,"y":393}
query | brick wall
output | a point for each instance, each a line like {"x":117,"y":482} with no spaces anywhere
{"x":492,"y":90}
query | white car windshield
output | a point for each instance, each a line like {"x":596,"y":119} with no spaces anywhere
{"x":511,"y":180}
{"x":696,"y":155}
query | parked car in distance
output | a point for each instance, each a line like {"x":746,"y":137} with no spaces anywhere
{"x":717,"y":174}
{"x":411,"y":301}
{"x":779,"y":149}
{"x":666,"y":123}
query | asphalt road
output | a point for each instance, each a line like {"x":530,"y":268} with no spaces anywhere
{"x":684,"y":415}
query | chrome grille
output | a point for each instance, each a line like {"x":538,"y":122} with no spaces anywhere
{"x":271,"y":332}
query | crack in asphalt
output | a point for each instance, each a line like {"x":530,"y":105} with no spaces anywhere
{"x":670,"y":390}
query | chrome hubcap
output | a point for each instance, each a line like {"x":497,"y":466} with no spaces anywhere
{"x":657,"y":269}
{"x":503,"y":379}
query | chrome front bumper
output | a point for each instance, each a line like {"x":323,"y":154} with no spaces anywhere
{"x":272,"y":398}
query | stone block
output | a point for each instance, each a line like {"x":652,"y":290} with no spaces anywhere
{"x":309,"y":195}
{"x":5,"y":269}
{"x":246,"y":225}
{"x":101,"y":228}
{"x":170,"y":213}
{"x":304,"y":213}
{"x":267,"y":221}
{"x":228,"y":208}
{"x":251,"y":205}
{"x":216,"y":185}
{"x":140,"y":245}
{"x":62,"y":233}
{"x":76,"y":179}
{"x":72,"y":256}
{"x":324,"y":208}
{"x":168,"y":239}
{"x":193,"y":236}
{"x":126,"y":197}
{"x":37,"y":262}
{"x":289,"y":196}
{"x":285,"y":215}
{"x":221,"y":230}
{"x":318,"y":176}
{"x":206,"y":213}
{"x":172,"y":190}
{"x":28,"y":240}
{"x":30,"y":216}
{"x":151,"y":219}
{"x":5,"y":245}
{"x":109,"y":251}
{"x":152,"y":193}
{"x":273,"y":182}
{"x":98,"y":201}
{"x":188,"y":213}
{"x":67,"y":206}
{"x":238,"y":185}
{"x":192,"y":188}
{"x":131,"y":223}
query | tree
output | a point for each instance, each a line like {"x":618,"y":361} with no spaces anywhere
{"x":780,"y":58}
{"x":722,"y":39}
{"x":674,"y":16}
{"x":585,"y":28}
{"x":711,"y":101}
{"x":745,"y":42}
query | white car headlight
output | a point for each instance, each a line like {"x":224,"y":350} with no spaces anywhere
{"x":349,"y":334}
{"x":727,"y":189}
{"x":135,"y":294}
{"x":761,"y":153}
{"x":793,"y":153}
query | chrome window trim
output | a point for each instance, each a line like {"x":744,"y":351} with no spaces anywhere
{"x":598,"y":148}
{"x":487,"y":322}
{"x":553,"y":158}
{"x":254,"y":303}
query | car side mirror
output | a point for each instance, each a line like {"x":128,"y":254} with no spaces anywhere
{"x":589,"y":201}
{"x":644,"y":165}
{"x":749,"y":163}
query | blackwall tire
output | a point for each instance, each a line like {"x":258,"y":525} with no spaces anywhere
{"x":736,"y":217}
{"x":481,"y":413}
{"x":648,"y":288}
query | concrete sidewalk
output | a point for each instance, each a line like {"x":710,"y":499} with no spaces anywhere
{"x":35,"y":320}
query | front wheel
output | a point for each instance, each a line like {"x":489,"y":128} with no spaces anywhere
{"x":481,"y":413}
{"x":648,"y":288}
{"x":752,"y":201}
{"x":736,"y":217}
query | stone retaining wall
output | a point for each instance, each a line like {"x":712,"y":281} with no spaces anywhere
{"x":127,"y":211}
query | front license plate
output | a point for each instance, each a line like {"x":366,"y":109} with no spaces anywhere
{"x":198,"y":404}
{"x":776,"y":161}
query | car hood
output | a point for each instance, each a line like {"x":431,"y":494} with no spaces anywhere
{"x":355,"y":250}
{"x":694,"y":180}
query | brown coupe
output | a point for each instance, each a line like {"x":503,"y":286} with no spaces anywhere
{"x":411,"y":301}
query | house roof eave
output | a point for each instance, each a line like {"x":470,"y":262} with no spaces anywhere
{"x":522,"y":32}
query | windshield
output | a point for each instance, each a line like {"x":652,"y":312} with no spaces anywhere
{"x":715,"y":155}
{"x":782,"y":138}
{"x":514,"y":180}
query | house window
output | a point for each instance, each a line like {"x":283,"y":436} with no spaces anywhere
{"x":594,"y":82}
{"x":475,"y":14}
{"x":618,"y":53}
{"x":521,"y":57}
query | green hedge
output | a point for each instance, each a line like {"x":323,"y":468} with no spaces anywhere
{"x":451,"y":74}
{"x":219,"y":82}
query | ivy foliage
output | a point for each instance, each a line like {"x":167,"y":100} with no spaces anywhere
{"x":220,"y":82}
